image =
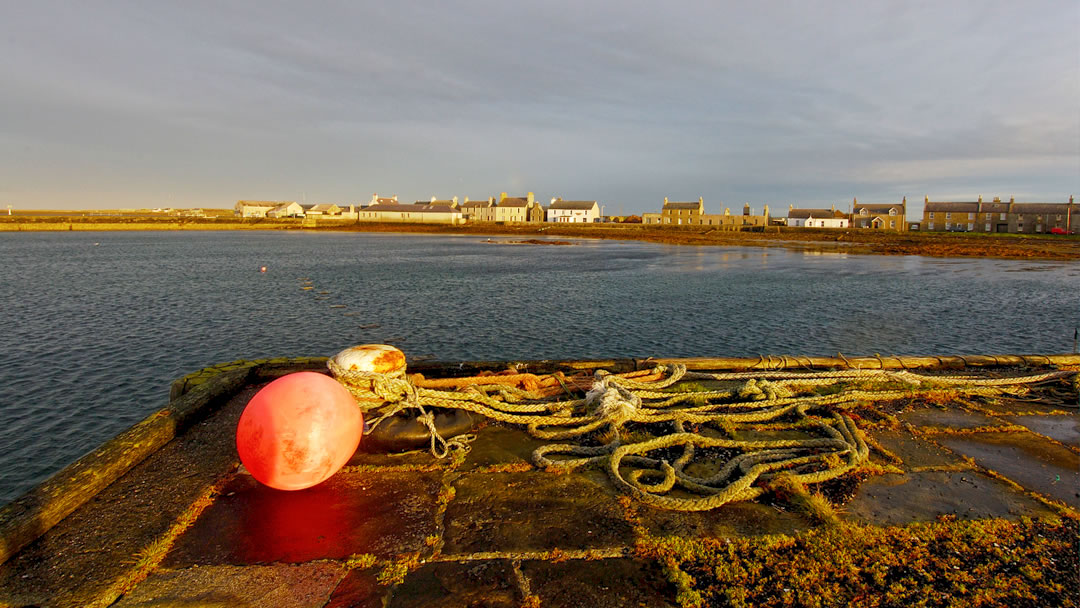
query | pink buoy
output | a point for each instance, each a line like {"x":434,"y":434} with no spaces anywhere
{"x":298,"y":431}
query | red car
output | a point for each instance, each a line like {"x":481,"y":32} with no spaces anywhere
{"x":1060,"y":231}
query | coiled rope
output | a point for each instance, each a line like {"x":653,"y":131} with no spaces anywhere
{"x":642,"y":425}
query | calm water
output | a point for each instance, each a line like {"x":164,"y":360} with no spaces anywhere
{"x":96,"y":325}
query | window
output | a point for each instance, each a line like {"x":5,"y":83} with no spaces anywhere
{"x":892,"y":224}
{"x":989,"y":215}
{"x":987,"y":228}
{"x":1038,"y":227}
{"x":892,"y":211}
{"x":1002,"y":216}
{"x":971,"y":226}
{"x":930,"y":226}
{"x":948,"y":225}
{"x":948,"y":215}
{"x":931,"y":216}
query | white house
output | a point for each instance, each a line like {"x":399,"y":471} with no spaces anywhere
{"x":290,"y":209}
{"x":255,"y":208}
{"x":575,"y":212}
{"x":816,"y":218}
{"x":416,"y":213}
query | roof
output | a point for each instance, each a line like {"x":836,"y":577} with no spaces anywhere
{"x":802,"y":214}
{"x":283,"y":207}
{"x":385,"y":201}
{"x":996,"y":207}
{"x":879,"y":208}
{"x":267,"y":204}
{"x":1043,"y":208}
{"x":421,"y":207}
{"x":480,"y":203}
{"x":573,"y":205}
{"x":514,"y":202}
{"x":693,"y":205}
{"x":951,"y":207}
{"x":322,"y":207}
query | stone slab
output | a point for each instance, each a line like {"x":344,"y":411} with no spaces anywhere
{"x":1065,"y":429}
{"x":730,"y":520}
{"x":496,"y":445}
{"x":608,"y":583}
{"x":359,"y":589}
{"x":280,"y":585}
{"x":382,"y":513}
{"x":534,"y":511}
{"x":1027,"y":459}
{"x":891,"y":500}
{"x":952,"y":418}
{"x":915,"y":452}
{"x":487,"y":583}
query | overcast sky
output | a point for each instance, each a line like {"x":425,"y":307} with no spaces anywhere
{"x":183,"y":104}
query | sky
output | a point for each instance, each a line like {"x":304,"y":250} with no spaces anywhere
{"x":110,"y":104}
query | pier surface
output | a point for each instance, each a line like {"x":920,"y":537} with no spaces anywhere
{"x":965,"y":498}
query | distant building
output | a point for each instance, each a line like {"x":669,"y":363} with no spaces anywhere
{"x":290,"y":209}
{"x":377,"y":200}
{"x":573,"y":212}
{"x":518,"y":209}
{"x":255,"y":208}
{"x":998,"y":216}
{"x":416,"y":213}
{"x":879,"y":216}
{"x":482,"y":210}
{"x":321,"y":209}
{"x":450,"y":202}
{"x":693,"y":214}
{"x":816,"y":218}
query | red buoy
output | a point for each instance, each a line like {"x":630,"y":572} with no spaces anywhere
{"x":298,"y":431}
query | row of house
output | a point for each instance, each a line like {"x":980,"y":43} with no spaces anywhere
{"x":999,"y":216}
{"x":506,"y":209}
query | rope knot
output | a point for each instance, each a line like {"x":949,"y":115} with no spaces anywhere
{"x":608,"y":400}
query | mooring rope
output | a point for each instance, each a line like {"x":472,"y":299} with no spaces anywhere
{"x":637,"y":430}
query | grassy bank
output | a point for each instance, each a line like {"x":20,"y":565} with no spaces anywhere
{"x":1047,"y":247}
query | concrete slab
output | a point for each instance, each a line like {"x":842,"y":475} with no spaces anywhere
{"x":915,"y":452}
{"x":487,"y":583}
{"x":383,"y":513}
{"x":1065,"y":429}
{"x":359,"y":589}
{"x":279,"y":585}
{"x":730,"y":520}
{"x":901,"y":499}
{"x":609,"y":583}
{"x":534,"y":511}
{"x":952,"y":418}
{"x":1027,"y":459}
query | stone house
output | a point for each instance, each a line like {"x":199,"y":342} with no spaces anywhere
{"x":482,"y":210}
{"x":518,"y":209}
{"x":998,"y":216}
{"x":574,"y":212}
{"x":879,"y":216}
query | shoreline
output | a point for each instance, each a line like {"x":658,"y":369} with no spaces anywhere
{"x":854,"y":241}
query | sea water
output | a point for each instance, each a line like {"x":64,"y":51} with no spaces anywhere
{"x":97,"y":325}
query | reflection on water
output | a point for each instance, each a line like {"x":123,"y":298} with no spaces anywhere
{"x":97,"y":325}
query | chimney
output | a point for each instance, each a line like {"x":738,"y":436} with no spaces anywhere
{"x":997,"y":199}
{"x":904,"y":202}
{"x":553,"y":199}
{"x":502,"y":197}
{"x":466,"y":200}
{"x":1070,"y":199}
{"x":980,"y":198}
{"x":433,"y":198}
{"x":746,"y":209}
{"x":665,"y":200}
{"x":455,"y":200}
{"x":926,"y":199}
{"x":701,"y":199}
{"x":790,"y":207}
{"x":766,"y":213}
{"x":530,"y":198}
{"x":833,"y":209}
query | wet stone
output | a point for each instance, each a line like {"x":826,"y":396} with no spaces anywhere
{"x":488,"y":583}
{"x":731,"y":520}
{"x":1029,"y":460}
{"x":500,"y":445}
{"x":1065,"y":429}
{"x":902,"y":499}
{"x":359,"y":589}
{"x":375,"y":458}
{"x":382,"y":513}
{"x":915,"y":452}
{"x":609,"y":583}
{"x":948,"y":419}
{"x":279,"y":585}
{"x":1019,"y":406}
{"x":534,"y":511}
